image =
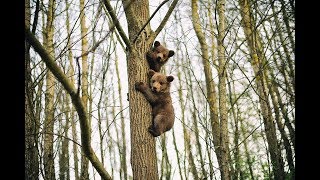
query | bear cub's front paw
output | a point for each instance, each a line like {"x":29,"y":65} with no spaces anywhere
{"x":139,"y":86}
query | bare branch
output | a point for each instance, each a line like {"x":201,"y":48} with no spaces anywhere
{"x":116,"y":22}
{"x":77,"y":102}
{"x":154,"y":13}
{"x":164,"y":21}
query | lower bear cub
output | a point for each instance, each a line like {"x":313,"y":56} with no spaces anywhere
{"x":159,"y":98}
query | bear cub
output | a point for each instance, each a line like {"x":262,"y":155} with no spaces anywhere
{"x":158,"y":95}
{"x":158,"y":56}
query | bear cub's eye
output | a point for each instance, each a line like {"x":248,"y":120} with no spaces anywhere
{"x":161,"y":83}
{"x":153,"y":81}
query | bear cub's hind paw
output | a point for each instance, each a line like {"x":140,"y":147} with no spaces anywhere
{"x":151,"y":131}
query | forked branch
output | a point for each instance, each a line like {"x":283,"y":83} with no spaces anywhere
{"x":116,"y":21}
{"x":164,"y":21}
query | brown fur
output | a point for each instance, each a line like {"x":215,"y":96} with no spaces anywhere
{"x":159,"y":98}
{"x":158,"y":56}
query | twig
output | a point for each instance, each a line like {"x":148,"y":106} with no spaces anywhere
{"x":164,"y":21}
{"x":79,"y":77}
{"x":116,"y":21}
{"x":76,"y":101}
{"x":154,"y":13}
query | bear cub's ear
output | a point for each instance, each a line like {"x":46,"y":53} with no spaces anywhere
{"x":156,"y":44}
{"x":151,"y":72}
{"x":170,"y":78}
{"x":171,"y":53}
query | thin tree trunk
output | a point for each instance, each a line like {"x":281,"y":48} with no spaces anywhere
{"x":165,"y":164}
{"x":288,"y":87}
{"x":177,"y":154}
{"x":187,"y":134}
{"x":289,"y":30}
{"x":84,"y":83}
{"x":258,"y":63}
{"x":224,"y":137}
{"x":70,"y":88}
{"x":237,"y":169}
{"x":284,"y":46}
{"x":70,"y":74}
{"x":64,"y":173}
{"x":182,"y":107}
{"x":286,"y":142}
{"x":213,"y":57}
{"x":196,"y":130}
{"x":123,"y":130}
{"x":249,"y":160}
{"x":48,"y":155}
{"x":31,"y":135}
{"x":210,"y":85}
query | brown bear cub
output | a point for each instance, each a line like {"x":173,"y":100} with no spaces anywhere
{"x":158,"y":56}
{"x":159,"y":97}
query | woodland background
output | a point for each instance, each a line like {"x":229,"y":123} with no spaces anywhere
{"x":233,"y":92}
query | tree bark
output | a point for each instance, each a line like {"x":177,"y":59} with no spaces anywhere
{"x":84,"y":84}
{"x":48,"y":155}
{"x":223,"y":111}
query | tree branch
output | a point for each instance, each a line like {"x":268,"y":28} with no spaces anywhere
{"x":116,"y":21}
{"x":77,"y":102}
{"x":164,"y":21}
{"x":154,"y":13}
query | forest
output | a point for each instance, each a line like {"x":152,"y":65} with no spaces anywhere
{"x":233,"y":89}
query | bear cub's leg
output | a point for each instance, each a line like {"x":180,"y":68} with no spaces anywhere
{"x":157,"y":127}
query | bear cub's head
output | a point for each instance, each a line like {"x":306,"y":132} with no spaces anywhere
{"x":160,"y":83}
{"x":158,"y":56}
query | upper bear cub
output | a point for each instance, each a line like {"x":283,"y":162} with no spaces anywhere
{"x":158,"y":56}
{"x":159,"y":98}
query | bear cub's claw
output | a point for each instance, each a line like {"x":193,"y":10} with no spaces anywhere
{"x":139,"y":86}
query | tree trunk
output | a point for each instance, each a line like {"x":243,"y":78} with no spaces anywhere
{"x":31,"y":132}
{"x":258,"y":62}
{"x":48,"y":155}
{"x":123,"y":149}
{"x":248,"y":158}
{"x":84,"y":83}
{"x":64,"y":173}
{"x":70,"y":74}
{"x":196,"y":130}
{"x":223,"y":111}
{"x":143,"y":152}
{"x":182,"y":107}
{"x":234,"y":111}
{"x":211,"y":95}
